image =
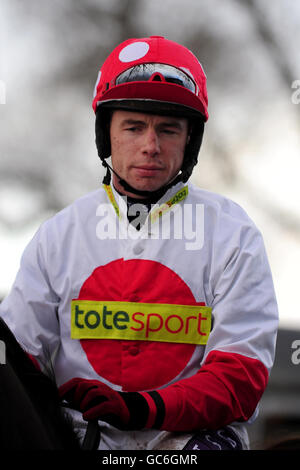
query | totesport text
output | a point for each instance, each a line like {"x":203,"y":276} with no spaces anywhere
{"x":140,"y":321}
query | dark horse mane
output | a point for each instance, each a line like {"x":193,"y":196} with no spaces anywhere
{"x":32,"y":417}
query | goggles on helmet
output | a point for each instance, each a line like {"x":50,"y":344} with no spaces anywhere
{"x":155,"y":69}
{"x":156,"y":72}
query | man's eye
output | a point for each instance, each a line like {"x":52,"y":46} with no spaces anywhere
{"x":132,"y":129}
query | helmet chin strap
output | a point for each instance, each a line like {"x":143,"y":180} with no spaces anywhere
{"x":157,"y":194}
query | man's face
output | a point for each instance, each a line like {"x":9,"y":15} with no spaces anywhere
{"x":146,"y":150}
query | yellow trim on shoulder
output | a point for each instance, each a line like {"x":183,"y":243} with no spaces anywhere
{"x":163,"y":208}
{"x":112,"y":199}
{"x":157,"y":211}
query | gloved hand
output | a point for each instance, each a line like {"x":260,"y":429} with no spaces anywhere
{"x":96,"y":400}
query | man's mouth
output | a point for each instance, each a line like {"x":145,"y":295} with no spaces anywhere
{"x":147,"y":170}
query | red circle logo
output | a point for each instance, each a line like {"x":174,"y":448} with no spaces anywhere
{"x":136,"y":365}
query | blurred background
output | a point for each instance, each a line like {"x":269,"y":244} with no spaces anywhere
{"x":50,"y":54}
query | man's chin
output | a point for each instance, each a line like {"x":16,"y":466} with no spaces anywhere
{"x":146,"y":184}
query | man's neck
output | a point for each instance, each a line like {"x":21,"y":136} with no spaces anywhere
{"x":132,"y":199}
{"x":138,"y":220}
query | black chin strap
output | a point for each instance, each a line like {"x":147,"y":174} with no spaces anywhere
{"x":147,"y":194}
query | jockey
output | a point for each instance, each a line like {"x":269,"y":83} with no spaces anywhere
{"x":150,"y":300}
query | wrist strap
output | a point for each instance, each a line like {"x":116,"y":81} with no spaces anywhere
{"x":160,"y":407}
{"x":140,"y":411}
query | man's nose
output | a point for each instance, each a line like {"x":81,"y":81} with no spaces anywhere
{"x":151,"y":145}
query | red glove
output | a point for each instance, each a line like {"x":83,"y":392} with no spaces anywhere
{"x":124,"y":410}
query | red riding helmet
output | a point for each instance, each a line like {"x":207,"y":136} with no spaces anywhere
{"x":152,"y":75}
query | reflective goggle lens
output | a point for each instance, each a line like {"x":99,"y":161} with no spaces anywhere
{"x":143,"y":72}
